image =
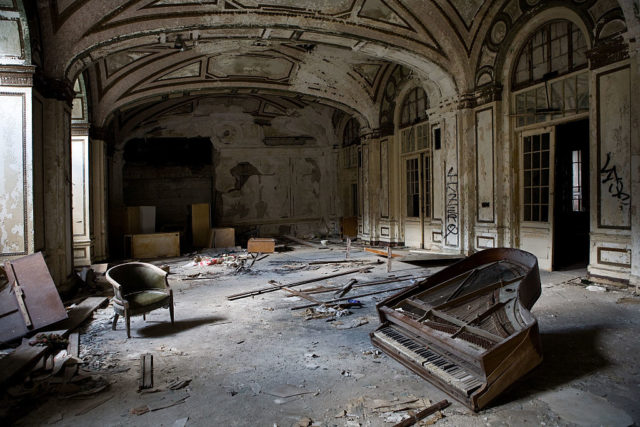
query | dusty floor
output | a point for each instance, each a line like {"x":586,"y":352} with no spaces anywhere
{"x":238,"y":354}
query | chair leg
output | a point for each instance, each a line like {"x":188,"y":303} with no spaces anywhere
{"x":115,"y":320}
{"x":144,"y":316}
{"x":128,"y":324}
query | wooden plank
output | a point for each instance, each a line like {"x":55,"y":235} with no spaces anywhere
{"x":381,"y":252}
{"x":302,"y":282}
{"x":146,"y":371}
{"x":331,"y":301}
{"x":200,"y":224}
{"x":26,"y":356}
{"x":423,"y":414}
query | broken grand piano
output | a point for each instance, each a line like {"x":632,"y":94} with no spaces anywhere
{"x":467,"y":329}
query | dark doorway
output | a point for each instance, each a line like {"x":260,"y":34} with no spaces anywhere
{"x":571,"y":200}
{"x":170,"y":174}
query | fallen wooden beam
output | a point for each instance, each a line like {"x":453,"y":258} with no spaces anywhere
{"x":301,"y":295}
{"x":302,"y":282}
{"x":423,"y":414}
{"x":26,"y":356}
{"x":331,"y":301}
{"x":398,"y":279}
{"x":381,"y":252}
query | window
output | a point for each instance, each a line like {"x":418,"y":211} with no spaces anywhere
{"x":556,"y":48}
{"x":413,"y":187}
{"x":351,"y":134}
{"x":562,"y":97}
{"x":576,"y":181}
{"x":414,"y":108}
{"x":415,"y":146}
{"x":535,"y":155}
{"x":350,"y":142}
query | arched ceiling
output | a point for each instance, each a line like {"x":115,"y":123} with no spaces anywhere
{"x":335,"y":50}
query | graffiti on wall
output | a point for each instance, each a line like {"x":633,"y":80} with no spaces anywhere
{"x":610,"y":176}
{"x":452,"y":208}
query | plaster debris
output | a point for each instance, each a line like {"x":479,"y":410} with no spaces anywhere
{"x":595,"y":288}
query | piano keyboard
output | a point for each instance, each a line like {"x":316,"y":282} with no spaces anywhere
{"x":435,"y":363}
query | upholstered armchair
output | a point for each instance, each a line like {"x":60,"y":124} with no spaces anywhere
{"x":138,"y":288}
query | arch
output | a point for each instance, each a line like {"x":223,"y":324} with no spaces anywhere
{"x":507,"y":56}
{"x":559,"y":34}
{"x":414,"y":107}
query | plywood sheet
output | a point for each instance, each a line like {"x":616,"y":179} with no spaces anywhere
{"x":155,"y":245}
{"x":40,"y":296}
{"x":200,"y":224}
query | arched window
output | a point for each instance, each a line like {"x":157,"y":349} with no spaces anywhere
{"x":415,"y":149}
{"x":556,"y":48}
{"x":414,"y":107}
{"x":351,"y":134}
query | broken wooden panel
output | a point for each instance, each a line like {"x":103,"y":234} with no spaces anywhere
{"x":30,"y":301}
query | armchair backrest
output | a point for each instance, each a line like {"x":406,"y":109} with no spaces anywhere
{"x":137,"y":276}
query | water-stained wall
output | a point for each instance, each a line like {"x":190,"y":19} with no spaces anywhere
{"x":274,"y":168}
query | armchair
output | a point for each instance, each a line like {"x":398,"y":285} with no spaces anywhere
{"x":138,"y":288}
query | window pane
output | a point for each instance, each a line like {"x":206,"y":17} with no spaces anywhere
{"x":583,"y":92}
{"x":579,"y":48}
{"x":413,"y":195}
{"x":545,"y":141}
{"x":570,"y":94}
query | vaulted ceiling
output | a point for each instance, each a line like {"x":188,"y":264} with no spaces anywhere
{"x":336,"y":52}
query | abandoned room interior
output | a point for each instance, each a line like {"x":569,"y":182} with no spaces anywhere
{"x":320,"y":212}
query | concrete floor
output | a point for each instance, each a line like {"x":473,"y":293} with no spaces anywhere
{"x":238,"y":352}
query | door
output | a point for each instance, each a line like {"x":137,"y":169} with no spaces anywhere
{"x":417,"y":199}
{"x":571,"y":200}
{"x":536,"y":194}
{"x":412,"y":193}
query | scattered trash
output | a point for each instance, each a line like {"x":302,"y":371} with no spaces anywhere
{"x":595,"y":288}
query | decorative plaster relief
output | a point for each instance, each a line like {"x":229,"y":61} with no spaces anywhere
{"x":250,"y":66}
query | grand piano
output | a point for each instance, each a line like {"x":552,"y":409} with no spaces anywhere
{"x":467,"y":329}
